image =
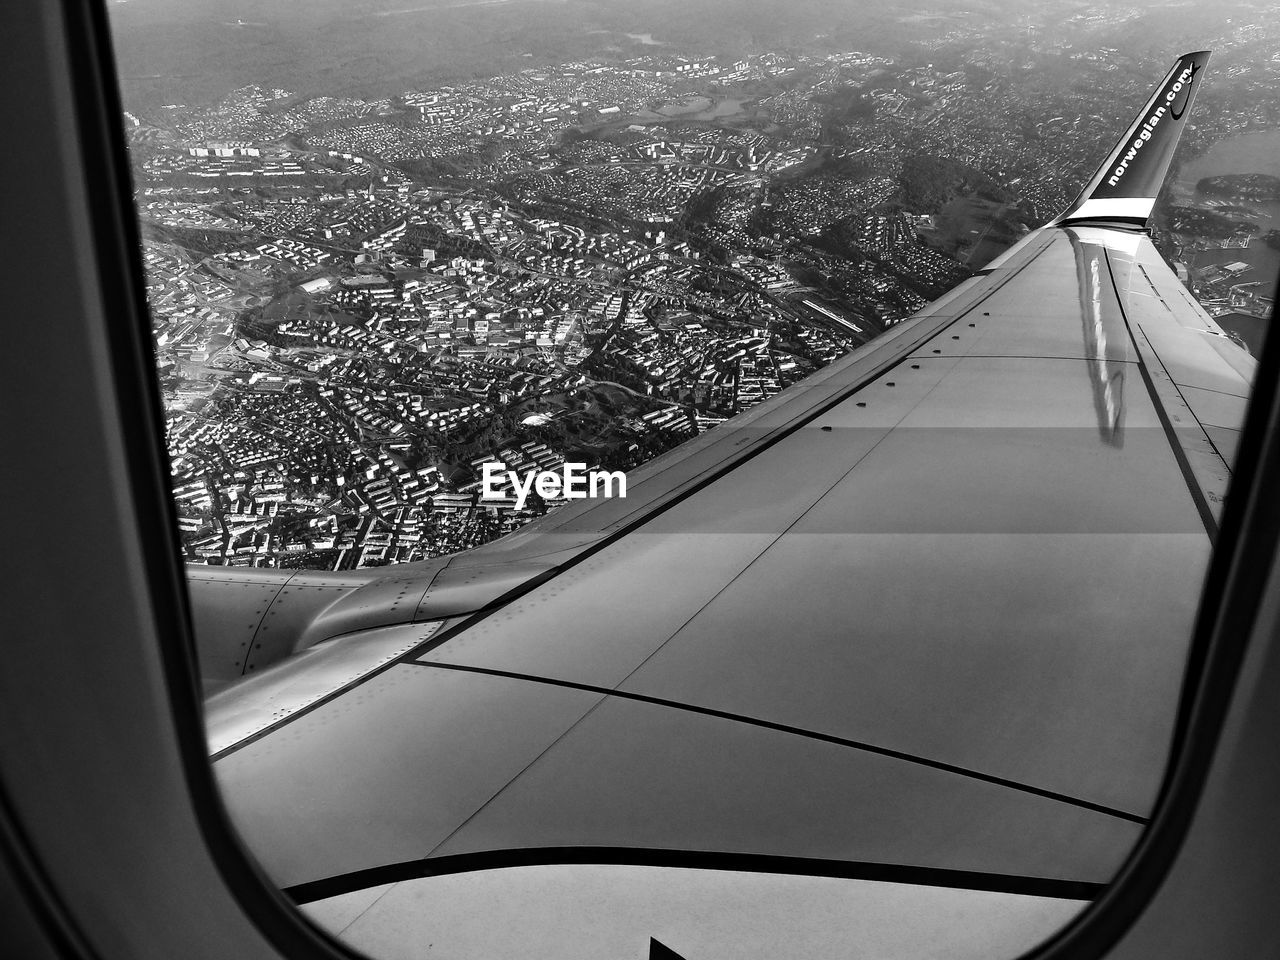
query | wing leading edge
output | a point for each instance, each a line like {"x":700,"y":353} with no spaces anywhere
{"x":928,"y":609}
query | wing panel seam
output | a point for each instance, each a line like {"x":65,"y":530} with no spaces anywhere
{"x":859,"y":745}
{"x":870,"y":870}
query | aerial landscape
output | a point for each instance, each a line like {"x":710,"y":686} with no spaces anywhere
{"x":390,"y":244}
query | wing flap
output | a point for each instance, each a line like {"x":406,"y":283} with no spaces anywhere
{"x":636,"y":774}
{"x":570,"y":767}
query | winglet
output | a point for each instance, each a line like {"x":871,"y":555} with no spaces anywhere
{"x":1124,"y":189}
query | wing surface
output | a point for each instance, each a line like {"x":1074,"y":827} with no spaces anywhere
{"x":927,"y":610}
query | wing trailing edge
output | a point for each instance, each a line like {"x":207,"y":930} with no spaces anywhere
{"x":1123,"y":190}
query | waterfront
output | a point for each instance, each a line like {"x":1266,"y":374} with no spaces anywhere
{"x":1247,"y":153}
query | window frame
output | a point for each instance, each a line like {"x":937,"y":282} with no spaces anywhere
{"x":68,"y":45}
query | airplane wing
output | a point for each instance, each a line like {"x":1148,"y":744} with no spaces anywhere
{"x":918,"y":622}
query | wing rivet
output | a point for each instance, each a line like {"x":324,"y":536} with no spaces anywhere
{"x":915,"y":366}
{"x":862,"y":403}
{"x":826,"y":429}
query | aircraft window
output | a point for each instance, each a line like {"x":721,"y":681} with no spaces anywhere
{"x":692,"y":481}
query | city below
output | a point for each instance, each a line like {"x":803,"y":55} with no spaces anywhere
{"x":370,"y":314}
